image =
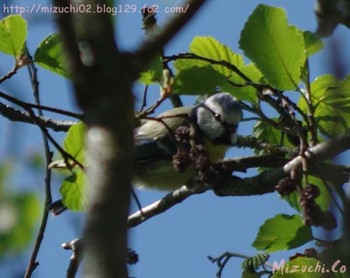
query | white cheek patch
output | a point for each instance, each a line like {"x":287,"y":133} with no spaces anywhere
{"x":211,"y":127}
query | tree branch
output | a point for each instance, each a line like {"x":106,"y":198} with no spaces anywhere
{"x":322,"y":151}
{"x":32,"y":71}
{"x":76,"y":247}
{"x":266,"y":181}
{"x":27,"y":105}
{"x":102,"y":79}
{"x":24,"y":117}
{"x":163,"y":204}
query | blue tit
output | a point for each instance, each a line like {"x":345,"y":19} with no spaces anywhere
{"x":214,"y":121}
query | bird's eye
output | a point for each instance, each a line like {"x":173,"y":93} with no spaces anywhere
{"x":217,"y":117}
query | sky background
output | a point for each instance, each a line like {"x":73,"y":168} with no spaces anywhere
{"x":176,"y":243}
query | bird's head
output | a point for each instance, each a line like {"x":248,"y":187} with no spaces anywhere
{"x":218,"y":118}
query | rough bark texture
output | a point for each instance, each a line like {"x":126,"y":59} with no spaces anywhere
{"x":103,"y":78}
{"x":102,"y":82}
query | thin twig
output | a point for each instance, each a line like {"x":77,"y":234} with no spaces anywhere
{"x":9,"y":74}
{"x":155,"y":44}
{"x":24,"y":117}
{"x":223,"y":259}
{"x":223,"y":63}
{"x":47,"y":180}
{"x":163,"y":205}
{"x":75,"y":260}
{"x":27,"y":105}
{"x":144,"y":99}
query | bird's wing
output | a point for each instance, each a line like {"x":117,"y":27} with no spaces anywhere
{"x":148,"y":149}
{"x":153,"y":139}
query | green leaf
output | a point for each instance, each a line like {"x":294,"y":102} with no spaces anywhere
{"x":267,"y":133}
{"x":198,"y":80}
{"x":323,"y":200}
{"x":73,"y":191}
{"x":275,"y":47}
{"x":293,"y":200}
{"x":247,"y":92}
{"x":72,"y":188}
{"x":153,"y":74}
{"x":50,"y":55}
{"x":331,"y":99}
{"x":283,"y":232}
{"x":75,"y":141}
{"x":13,"y":34}
{"x":255,"y":262}
{"x":18,"y":218}
{"x":313,"y":44}
{"x":298,"y":268}
{"x":210,"y":48}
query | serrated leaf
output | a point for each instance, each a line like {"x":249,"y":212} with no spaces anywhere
{"x":13,"y":34}
{"x":267,"y":133}
{"x":247,"y":92}
{"x":73,"y":191}
{"x":153,"y":73}
{"x":198,"y":80}
{"x":275,"y":47}
{"x":210,"y":48}
{"x":75,"y":141}
{"x":283,"y":232}
{"x":298,"y":268}
{"x":331,"y":99}
{"x":50,"y":55}
{"x":312,"y":43}
{"x":255,"y":262}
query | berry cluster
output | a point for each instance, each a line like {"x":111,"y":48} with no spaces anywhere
{"x":313,"y":215}
{"x":183,"y":135}
{"x":191,"y":155}
{"x":182,"y":160}
{"x":200,"y":159}
{"x":132,"y":257}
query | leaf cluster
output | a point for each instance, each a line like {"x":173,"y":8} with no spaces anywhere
{"x":276,"y":78}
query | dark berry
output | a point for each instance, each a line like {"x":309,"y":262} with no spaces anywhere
{"x":311,"y":212}
{"x":132,"y":257}
{"x":311,"y":191}
{"x":285,"y":186}
{"x":311,"y":253}
{"x":181,"y":160}
{"x":183,"y":134}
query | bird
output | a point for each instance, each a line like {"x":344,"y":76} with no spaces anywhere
{"x":211,"y":124}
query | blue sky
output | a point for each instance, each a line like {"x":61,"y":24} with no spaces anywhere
{"x":177,"y":243}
